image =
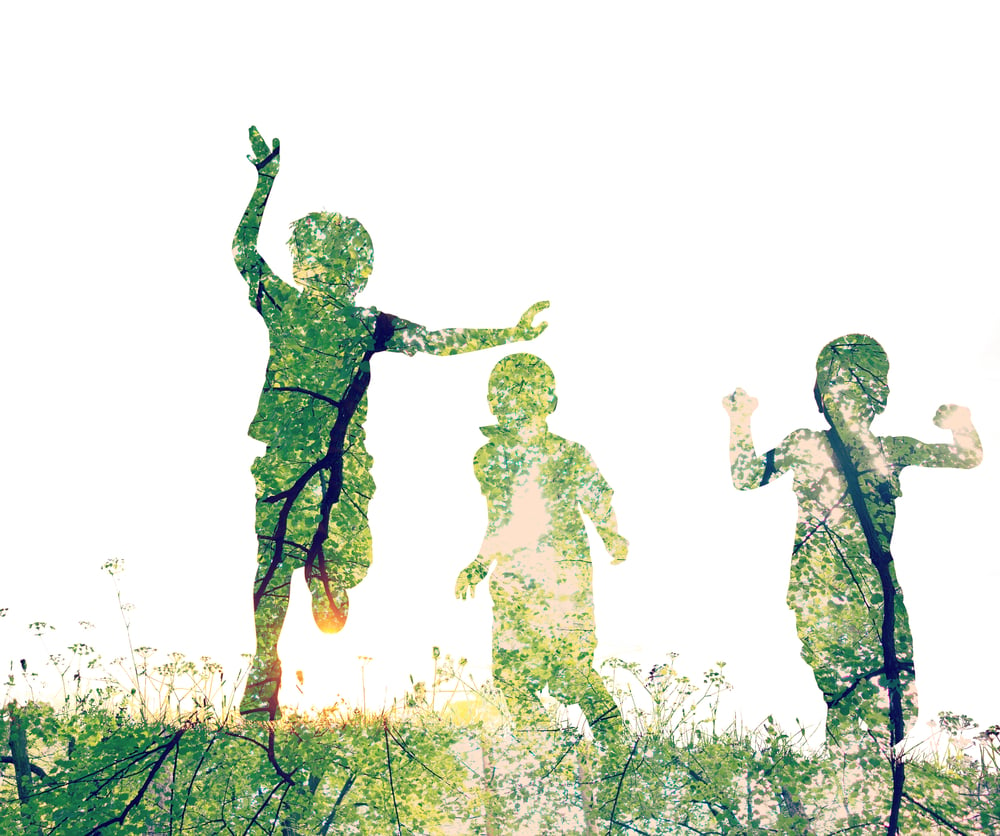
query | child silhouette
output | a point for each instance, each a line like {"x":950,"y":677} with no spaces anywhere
{"x":843,"y":588}
{"x":314,"y":481}
{"x":536,"y":485}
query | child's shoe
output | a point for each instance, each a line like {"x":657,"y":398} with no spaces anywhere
{"x":329,"y":605}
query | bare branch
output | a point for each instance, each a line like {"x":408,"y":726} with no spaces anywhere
{"x":120,"y":818}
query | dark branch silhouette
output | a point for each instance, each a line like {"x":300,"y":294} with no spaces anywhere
{"x":165,"y":750}
{"x":309,"y":490}
{"x":843,"y":588}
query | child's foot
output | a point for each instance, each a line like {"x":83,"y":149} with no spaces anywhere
{"x":260,"y":698}
{"x":329,"y":605}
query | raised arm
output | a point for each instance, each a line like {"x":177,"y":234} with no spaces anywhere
{"x":966,"y":450}
{"x":267,"y":291}
{"x":749,"y":470}
{"x":461,"y":340}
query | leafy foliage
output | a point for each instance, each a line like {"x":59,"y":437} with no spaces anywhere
{"x":538,"y":487}
{"x":843,"y":588}
{"x":165,"y":753}
{"x":314,"y":481}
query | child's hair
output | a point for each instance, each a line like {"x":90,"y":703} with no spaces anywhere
{"x":332,"y":240}
{"x":854,"y":360}
{"x":522,"y":386}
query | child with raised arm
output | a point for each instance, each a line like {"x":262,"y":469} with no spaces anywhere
{"x":536,"y":484}
{"x":843,"y":588}
{"x":314,"y":481}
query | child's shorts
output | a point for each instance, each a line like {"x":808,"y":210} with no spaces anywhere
{"x":347,"y":547}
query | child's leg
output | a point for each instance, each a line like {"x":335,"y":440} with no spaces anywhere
{"x":341,"y":547}
{"x":580,"y":684}
{"x":513,"y":676}
{"x":282,"y":527}
{"x":271,"y":604}
{"x":271,"y":587}
{"x":842,"y":645}
{"x":601,"y":710}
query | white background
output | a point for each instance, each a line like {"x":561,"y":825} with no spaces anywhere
{"x":707,"y":193}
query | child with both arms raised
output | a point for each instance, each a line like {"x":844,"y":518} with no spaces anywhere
{"x":843,"y":588}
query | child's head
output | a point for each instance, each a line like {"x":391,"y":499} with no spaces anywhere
{"x":331,"y":252}
{"x":522,"y":388}
{"x":852,"y":378}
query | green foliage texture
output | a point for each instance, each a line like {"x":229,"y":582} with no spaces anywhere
{"x":166,"y":754}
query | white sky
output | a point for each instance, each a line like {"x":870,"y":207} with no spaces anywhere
{"x":707,"y":193}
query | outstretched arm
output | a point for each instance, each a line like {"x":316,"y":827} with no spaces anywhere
{"x":966,"y":450}
{"x":749,"y":470}
{"x":460,"y":340}
{"x":267,"y":291}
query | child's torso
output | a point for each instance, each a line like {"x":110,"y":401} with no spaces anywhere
{"x":532,"y":492}
{"x":829,"y":530}
{"x":318,"y":350}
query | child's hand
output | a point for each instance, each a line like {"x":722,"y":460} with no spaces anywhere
{"x":265,"y":160}
{"x":739,"y":404}
{"x":953,"y":417}
{"x":524,"y":330}
{"x":617,"y":547}
{"x":465,"y":586}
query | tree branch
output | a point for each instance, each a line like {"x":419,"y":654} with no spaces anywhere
{"x":302,"y":391}
{"x":344,"y":790}
{"x":285,"y":776}
{"x":388,"y":760}
{"x":120,"y":819}
{"x":621,"y":781}
{"x":41,"y":773}
{"x":938,"y":818}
